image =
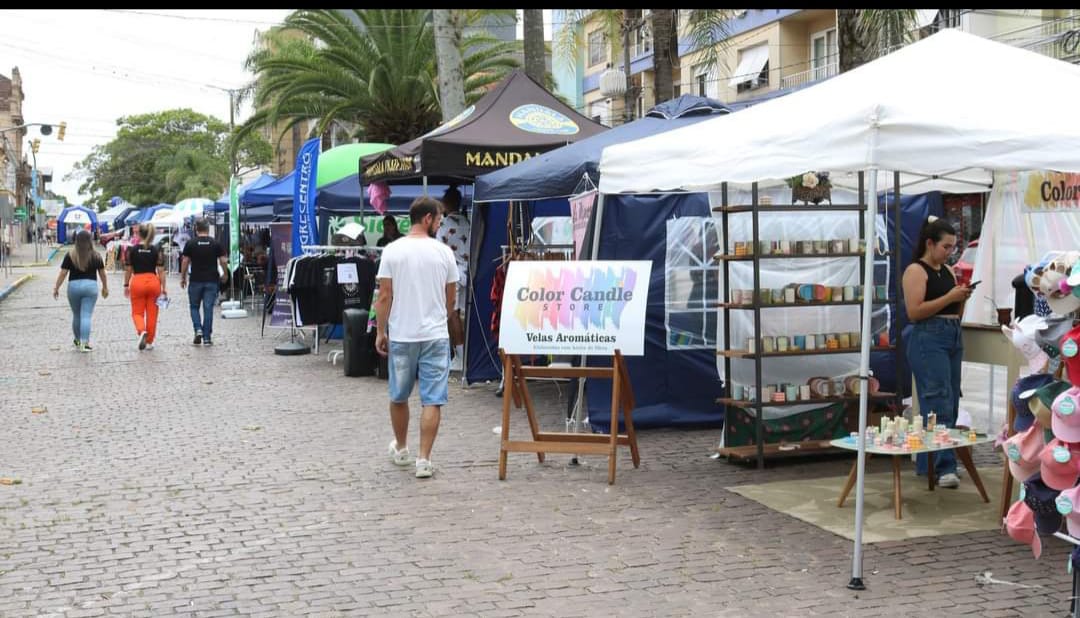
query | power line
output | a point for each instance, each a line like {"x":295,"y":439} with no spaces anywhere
{"x":195,"y":17}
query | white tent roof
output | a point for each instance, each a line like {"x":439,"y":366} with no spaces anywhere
{"x":950,"y":102}
{"x":193,"y":206}
{"x":168,"y":217}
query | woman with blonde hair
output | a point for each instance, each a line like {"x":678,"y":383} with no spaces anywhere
{"x":144,"y":281}
{"x":82,"y":267}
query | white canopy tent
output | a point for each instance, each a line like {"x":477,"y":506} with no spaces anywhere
{"x":193,"y":206}
{"x":946,"y":111}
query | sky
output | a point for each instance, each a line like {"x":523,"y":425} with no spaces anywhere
{"x":90,"y":67}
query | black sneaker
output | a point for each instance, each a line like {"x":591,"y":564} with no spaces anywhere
{"x":142,"y":341}
{"x":207,"y":342}
{"x":198,"y":338}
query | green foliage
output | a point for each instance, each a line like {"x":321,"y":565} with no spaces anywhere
{"x":163,"y":157}
{"x":379,"y":77}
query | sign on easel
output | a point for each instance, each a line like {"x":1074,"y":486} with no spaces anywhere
{"x":575,"y":308}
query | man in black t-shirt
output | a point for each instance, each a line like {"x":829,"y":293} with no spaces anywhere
{"x":203,"y":254}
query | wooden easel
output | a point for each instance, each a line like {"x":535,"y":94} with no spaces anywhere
{"x":516,"y":390}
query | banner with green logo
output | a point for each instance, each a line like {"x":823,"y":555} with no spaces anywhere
{"x":234,"y":224}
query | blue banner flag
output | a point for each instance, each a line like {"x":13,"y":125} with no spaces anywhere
{"x":305,"y":230}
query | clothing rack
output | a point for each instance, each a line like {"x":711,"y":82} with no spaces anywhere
{"x":336,"y":248}
{"x":347,"y":250}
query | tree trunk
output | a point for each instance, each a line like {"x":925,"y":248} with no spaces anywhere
{"x":535,"y":51}
{"x":852,"y":48}
{"x":630,"y":97}
{"x":663,"y":34}
{"x":448,"y":61}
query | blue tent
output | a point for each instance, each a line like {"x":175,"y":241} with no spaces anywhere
{"x":74,"y":215}
{"x":147,"y":214}
{"x":113,"y":217}
{"x":269,"y":192}
{"x":557,"y":173}
{"x":671,"y":387}
{"x":222,"y":205}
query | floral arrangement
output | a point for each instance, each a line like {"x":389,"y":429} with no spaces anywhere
{"x":810,"y":180}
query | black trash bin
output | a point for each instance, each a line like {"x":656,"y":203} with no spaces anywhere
{"x":358,"y":361}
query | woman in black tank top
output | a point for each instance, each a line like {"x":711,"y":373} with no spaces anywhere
{"x":934,"y":304}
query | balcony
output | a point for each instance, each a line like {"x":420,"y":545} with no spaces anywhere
{"x":805,"y":77}
{"x":1058,"y":38}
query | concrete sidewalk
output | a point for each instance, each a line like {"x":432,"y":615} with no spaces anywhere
{"x":24,"y":265}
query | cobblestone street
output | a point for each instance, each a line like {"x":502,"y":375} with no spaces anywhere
{"x":229,"y":481}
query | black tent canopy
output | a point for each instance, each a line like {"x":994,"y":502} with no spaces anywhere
{"x":517,"y":120}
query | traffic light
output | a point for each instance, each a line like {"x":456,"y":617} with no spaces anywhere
{"x":60,"y":133}
{"x":34,"y":145}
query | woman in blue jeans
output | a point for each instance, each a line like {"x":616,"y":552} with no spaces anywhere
{"x":82,"y":267}
{"x":934,"y":304}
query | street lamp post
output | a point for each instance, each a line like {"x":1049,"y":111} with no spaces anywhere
{"x":34,"y":201}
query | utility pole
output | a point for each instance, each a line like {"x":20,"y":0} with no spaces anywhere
{"x":232,"y":121}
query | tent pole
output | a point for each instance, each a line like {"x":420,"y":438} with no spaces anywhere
{"x":579,"y":408}
{"x":425,"y":187}
{"x":870,"y":234}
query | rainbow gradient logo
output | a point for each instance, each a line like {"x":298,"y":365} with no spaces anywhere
{"x":570,"y":298}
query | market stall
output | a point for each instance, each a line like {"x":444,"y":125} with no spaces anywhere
{"x":909,"y":112}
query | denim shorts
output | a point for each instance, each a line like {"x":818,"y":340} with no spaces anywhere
{"x":428,"y":360}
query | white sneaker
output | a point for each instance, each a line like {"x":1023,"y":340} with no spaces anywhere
{"x":399,"y":457}
{"x":149,"y":346}
{"x":948,"y":481}
{"x":424,"y":469}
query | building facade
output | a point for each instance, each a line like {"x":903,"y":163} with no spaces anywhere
{"x":14,"y":171}
{"x":768,"y":51}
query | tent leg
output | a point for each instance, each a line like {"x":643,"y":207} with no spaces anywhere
{"x":869,"y":231}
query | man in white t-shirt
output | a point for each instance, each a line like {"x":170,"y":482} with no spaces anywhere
{"x":416,"y":325}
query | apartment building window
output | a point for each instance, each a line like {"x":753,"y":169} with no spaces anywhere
{"x":823,"y":54}
{"x":642,"y":43}
{"x":701,"y":81}
{"x":753,"y":70}
{"x":597,"y":47}
{"x":600,"y":111}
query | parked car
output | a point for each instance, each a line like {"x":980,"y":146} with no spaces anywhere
{"x":965,"y":265}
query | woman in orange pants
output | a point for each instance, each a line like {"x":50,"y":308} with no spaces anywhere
{"x":144,"y":281}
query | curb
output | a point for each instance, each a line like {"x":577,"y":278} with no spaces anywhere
{"x":4,"y":293}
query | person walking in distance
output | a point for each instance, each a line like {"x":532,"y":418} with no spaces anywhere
{"x":82,"y":267}
{"x":204,"y":255}
{"x":144,"y":281}
{"x":416,"y":325}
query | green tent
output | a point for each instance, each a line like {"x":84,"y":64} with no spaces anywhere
{"x":341,"y":161}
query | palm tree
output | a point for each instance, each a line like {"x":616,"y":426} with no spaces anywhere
{"x":533,"y":35}
{"x":866,"y":34}
{"x":195,"y":173}
{"x":373,"y":69}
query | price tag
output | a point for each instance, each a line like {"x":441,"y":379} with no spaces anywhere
{"x":346,"y":273}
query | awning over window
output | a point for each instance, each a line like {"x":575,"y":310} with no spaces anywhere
{"x":751,"y":62}
{"x":925,"y":17}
